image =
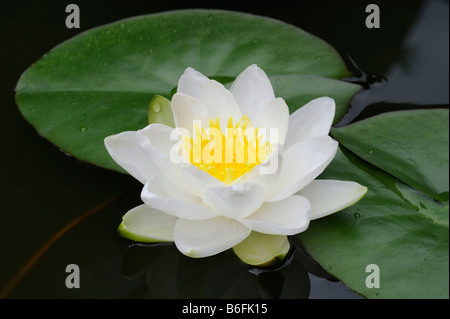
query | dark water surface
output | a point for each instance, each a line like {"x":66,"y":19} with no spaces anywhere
{"x":57,"y":210}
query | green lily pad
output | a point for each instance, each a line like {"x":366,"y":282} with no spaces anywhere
{"x":399,"y":229}
{"x":411,"y":145}
{"x":102,"y":81}
{"x":298,"y":90}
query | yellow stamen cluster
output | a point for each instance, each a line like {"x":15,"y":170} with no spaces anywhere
{"x":226,"y":155}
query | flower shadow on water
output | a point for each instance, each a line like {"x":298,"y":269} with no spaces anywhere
{"x":169,"y":274}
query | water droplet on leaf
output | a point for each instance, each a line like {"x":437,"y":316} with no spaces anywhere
{"x":156,"y":107}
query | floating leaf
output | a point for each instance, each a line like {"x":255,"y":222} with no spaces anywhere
{"x":394,"y":226}
{"x":411,"y":145}
{"x":298,"y":90}
{"x":102,"y":81}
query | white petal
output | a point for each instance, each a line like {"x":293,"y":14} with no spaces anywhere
{"x":146,"y":224}
{"x":158,"y":136}
{"x":187,"y":109}
{"x":253,"y":91}
{"x":265,"y":174}
{"x":159,"y":193}
{"x":156,"y":141}
{"x":125,"y":151}
{"x":219,"y":102}
{"x":208,"y":237}
{"x":274,"y":119}
{"x":302,"y":163}
{"x":235,"y":201}
{"x":285,"y":217}
{"x":199,"y":180}
{"x":330,"y":196}
{"x":311,"y":120}
{"x":191,"y":82}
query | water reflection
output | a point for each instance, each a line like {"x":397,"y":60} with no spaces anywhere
{"x":169,"y":274}
{"x":416,"y":75}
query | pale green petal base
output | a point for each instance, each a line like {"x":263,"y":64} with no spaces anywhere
{"x":159,"y":111}
{"x":129,"y":234}
{"x":262,"y":249}
{"x":126,"y":233}
{"x":147,"y":225}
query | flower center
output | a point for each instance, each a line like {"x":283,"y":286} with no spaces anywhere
{"x":226,"y":155}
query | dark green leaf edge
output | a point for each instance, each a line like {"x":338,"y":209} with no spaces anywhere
{"x":396,"y":186}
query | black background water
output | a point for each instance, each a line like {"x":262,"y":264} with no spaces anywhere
{"x":402,"y":65}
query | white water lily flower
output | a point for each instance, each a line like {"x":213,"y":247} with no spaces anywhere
{"x":208,"y":206}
